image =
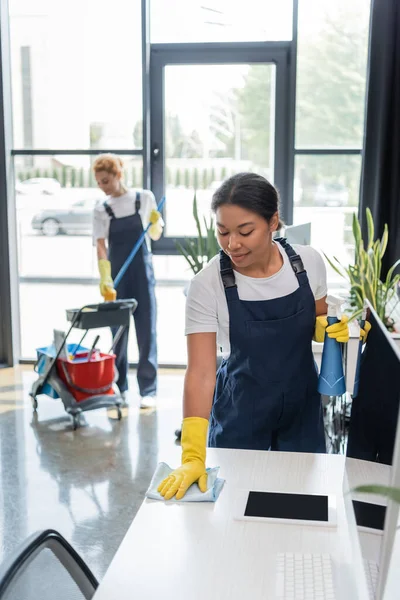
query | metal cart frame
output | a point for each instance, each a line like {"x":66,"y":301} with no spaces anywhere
{"x":91,"y":316}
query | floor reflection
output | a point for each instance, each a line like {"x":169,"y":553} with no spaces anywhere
{"x":88,"y":484}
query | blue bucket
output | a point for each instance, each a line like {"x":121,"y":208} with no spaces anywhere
{"x":50,"y":352}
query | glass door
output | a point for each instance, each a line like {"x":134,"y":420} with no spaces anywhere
{"x":213,"y":116}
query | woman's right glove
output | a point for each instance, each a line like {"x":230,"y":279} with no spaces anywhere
{"x":194,"y":441}
{"x":156,"y":227}
{"x":106,"y":283}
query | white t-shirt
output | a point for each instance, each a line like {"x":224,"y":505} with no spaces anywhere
{"x":206,"y":306}
{"x":123,"y":206}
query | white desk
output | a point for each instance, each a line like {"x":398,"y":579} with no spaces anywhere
{"x":181,"y":551}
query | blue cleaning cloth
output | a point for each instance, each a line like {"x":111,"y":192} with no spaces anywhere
{"x":214,"y":486}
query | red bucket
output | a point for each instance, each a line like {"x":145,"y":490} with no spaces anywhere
{"x":85,"y":379}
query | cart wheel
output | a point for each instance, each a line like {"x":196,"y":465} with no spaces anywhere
{"x":34,"y":403}
{"x":76,"y":422}
{"x":119,"y":413}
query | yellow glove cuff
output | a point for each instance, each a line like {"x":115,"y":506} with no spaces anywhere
{"x":321,"y":324}
{"x":194,"y":439}
{"x":104,"y":268}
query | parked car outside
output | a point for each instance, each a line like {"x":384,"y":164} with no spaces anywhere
{"x":72,"y":218}
{"x":331,"y":194}
{"x":38,"y":185}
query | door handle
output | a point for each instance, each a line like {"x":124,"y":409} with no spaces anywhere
{"x":156,"y":151}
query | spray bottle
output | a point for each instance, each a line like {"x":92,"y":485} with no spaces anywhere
{"x":360,"y":345}
{"x":331,"y":379}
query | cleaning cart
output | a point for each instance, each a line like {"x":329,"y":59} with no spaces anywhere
{"x":83,"y":378}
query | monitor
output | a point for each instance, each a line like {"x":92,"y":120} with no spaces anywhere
{"x":374,"y":432}
{"x":298,"y":234}
{"x":374,"y":413}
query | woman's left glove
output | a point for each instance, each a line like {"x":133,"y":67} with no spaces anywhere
{"x":364,"y":331}
{"x":338,"y":331}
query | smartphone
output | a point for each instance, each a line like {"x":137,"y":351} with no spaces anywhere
{"x":284,"y":507}
{"x":369,"y":517}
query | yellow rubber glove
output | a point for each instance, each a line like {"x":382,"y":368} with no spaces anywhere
{"x":154,"y":216}
{"x":338,"y":331}
{"x":155,"y":229}
{"x":365,"y":331}
{"x":106,"y":283}
{"x":194,"y":440}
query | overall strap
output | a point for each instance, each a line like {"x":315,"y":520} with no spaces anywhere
{"x":137,"y":202}
{"x":109,"y":210}
{"x":227,"y":274}
{"x":295,"y":261}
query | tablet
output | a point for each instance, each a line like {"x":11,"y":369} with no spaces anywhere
{"x":369,"y":517}
{"x":285,"y":507}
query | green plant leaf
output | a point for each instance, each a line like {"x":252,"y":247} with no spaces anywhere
{"x":391,"y":271}
{"x":381,"y":490}
{"x":187,"y":256}
{"x":370,"y":227}
{"x":197,"y":251}
{"x":384,"y":240}
{"x":357,"y":237}
{"x":200,"y":250}
{"x":369,"y":292}
{"x":334,"y":267}
{"x":359,"y":294}
{"x":378,"y":261}
{"x":376,"y":265}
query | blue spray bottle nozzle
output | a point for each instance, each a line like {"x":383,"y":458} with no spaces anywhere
{"x":331,"y":379}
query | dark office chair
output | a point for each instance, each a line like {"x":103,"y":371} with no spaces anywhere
{"x":46,"y":567}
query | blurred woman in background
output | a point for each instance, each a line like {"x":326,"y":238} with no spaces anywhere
{"x":118,"y":222}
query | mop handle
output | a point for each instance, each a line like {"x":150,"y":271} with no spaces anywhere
{"x":135,"y":249}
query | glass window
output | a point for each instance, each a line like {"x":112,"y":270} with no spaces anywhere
{"x":55,"y":197}
{"x":326,"y":193}
{"x":220,"y":21}
{"x":76,"y":74}
{"x":331,"y":73}
{"x":219,"y":120}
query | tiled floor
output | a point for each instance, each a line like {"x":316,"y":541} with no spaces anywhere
{"x":88,"y":484}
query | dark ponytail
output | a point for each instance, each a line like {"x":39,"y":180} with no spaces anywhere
{"x":250,"y":191}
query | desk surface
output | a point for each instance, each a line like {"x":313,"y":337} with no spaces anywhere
{"x":180,"y":551}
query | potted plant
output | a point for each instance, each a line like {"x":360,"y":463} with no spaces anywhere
{"x":364,"y":276}
{"x":197,"y":251}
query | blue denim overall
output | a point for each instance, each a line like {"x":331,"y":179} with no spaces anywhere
{"x":138,"y":282}
{"x":266,"y":391}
